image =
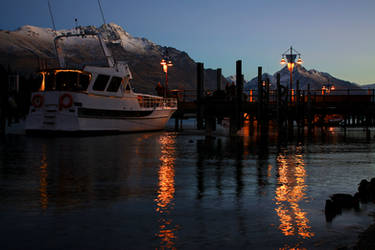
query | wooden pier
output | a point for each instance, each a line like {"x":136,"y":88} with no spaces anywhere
{"x":282,"y":107}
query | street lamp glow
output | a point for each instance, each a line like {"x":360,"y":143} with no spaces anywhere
{"x":165,"y":64}
{"x":291,"y":58}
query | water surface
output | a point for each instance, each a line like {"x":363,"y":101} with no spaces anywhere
{"x":180,"y":190}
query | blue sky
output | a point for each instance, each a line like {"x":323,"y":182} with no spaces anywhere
{"x":334,"y":36}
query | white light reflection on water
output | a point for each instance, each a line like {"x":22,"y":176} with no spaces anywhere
{"x":166,"y":192}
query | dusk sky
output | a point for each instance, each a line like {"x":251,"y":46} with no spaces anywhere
{"x":334,"y":36}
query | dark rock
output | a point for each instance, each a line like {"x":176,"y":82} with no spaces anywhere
{"x":331,"y":210}
{"x":345,"y":201}
{"x":364,"y":191}
{"x":338,"y":202}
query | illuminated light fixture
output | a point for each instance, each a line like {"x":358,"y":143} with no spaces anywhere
{"x":290,"y":66}
{"x":333,"y":88}
{"x":291,"y":61}
{"x":165,"y":64}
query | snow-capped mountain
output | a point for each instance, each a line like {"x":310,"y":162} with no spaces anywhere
{"x":368,"y":86}
{"x":24,"y":50}
{"x":315,"y":78}
{"x":231,"y":79}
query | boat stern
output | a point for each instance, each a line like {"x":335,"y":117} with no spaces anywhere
{"x":52,"y":111}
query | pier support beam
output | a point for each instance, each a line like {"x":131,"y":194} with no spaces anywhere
{"x":200,"y":97}
{"x":218,"y":79}
{"x":236,"y":118}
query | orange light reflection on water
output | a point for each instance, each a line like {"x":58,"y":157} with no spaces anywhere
{"x":43,"y":181}
{"x":166,"y":192}
{"x":289,"y":193}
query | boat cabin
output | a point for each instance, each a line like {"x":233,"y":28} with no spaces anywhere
{"x":92,"y":80}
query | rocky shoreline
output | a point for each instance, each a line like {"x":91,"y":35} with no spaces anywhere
{"x":339,"y":202}
{"x":366,"y":239}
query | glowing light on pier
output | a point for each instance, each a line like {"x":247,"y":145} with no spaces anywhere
{"x":165,"y":64}
{"x":291,"y":58}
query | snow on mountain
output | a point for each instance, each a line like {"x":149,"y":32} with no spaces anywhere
{"x":306,"y":77}
{"x":116,"y":34}
{"x":368,"y":86}
{"x":26,"y":49}
{"x":231,"y":78}
{"x":38,"y":41}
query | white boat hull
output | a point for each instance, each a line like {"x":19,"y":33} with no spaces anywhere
{"x":95,"y":114}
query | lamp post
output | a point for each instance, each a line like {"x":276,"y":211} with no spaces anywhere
{"x":290,"y":59}
{"x":327,"y":88}
{"x":165,"y":64}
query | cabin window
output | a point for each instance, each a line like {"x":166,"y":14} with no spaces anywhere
{"x":114,"y":84}
{"x":69,"y":80}
{"x":100,"y":83}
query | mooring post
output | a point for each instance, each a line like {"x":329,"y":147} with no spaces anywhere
{"x":239,"y":81}
{"x":200,"y":91}
{"x":260,"y":96}
{"x":297,"y":92}
{"x":267,"y":91}
{"x":278,"y":100}
{"x":298,"y":108}
{"x":3,"y":100}
{"x":218,"y":79}
{"x":2,"y":113}
{"x":309,"y":118}
{"x":236,"y":120}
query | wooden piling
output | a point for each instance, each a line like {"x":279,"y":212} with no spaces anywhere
{"x":200,"y":93}
{"x":239,"y":81}
{"x":218,"y":79}
{"x":236,"y":119}
{"x":260,"y":96}
{"x":3,"y":100}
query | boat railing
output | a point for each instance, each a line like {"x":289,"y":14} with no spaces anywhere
{"x":170,"y":102}
{"x":151,"y":102}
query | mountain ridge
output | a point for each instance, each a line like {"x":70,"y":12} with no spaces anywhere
{"x":312,"y":77}
{"x":27,"y":47}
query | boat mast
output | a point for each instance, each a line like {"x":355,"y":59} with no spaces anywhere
{"x":83,"y":33}
{"x":58,"y":49}
{"x":51,"y":15}
{"x":101,"y":11}
{"x":107,"y":52}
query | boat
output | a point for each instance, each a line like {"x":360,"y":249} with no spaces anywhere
{"x":94,"y":99}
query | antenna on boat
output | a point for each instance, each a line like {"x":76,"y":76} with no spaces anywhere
{"x":110,"y":60}
{"x":76,"y":23}
{"x":51,"y":15}
{"x":101,"y":11}
{"x":58,"y":49}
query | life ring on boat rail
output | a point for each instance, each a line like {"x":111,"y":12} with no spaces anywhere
{"x":65,"y":101}
{"x":37,"y":100}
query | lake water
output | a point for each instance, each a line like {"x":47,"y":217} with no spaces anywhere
{"x":180,"y":190}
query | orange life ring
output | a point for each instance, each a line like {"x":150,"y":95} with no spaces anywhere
{"x":63,"y":103}
{"x":37,"y":100}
